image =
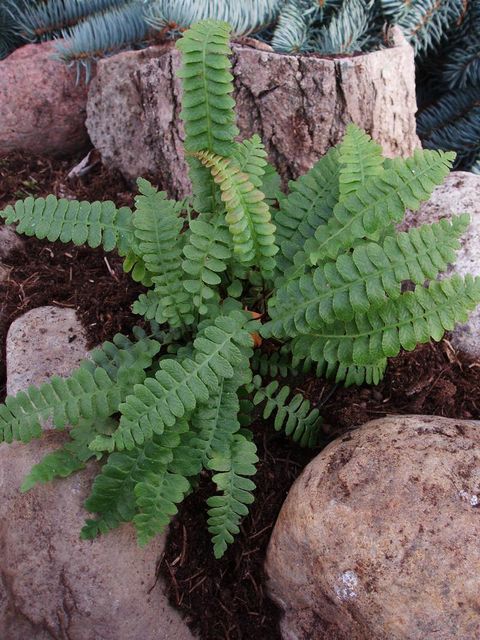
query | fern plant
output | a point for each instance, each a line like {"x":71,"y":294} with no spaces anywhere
{"x":322,"y":266}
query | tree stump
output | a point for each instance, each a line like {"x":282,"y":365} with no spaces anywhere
{"x":300,"y":106}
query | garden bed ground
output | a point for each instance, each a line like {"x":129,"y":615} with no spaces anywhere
{"x":223,"y":600}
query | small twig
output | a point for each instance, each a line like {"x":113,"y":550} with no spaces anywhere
{"x":110,"y":270}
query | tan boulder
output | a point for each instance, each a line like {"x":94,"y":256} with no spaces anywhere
{"x":54,"y":586}
{"x":378,"y":538}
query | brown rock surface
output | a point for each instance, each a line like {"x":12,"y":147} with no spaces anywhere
{"x":42,"y":109}
{"x":378,"y":538}
{"x":54,"y":586}
{"x":299,"y":105}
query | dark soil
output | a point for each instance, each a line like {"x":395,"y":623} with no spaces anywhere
{"x":226,"y":599}
{"x":44,"y":273}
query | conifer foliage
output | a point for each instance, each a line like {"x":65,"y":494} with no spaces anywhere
{"x":322,"y":266}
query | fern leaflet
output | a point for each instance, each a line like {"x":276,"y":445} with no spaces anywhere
{"x":96,"y":224}
{"x":248,"y":216}
{"x":356,"y":281}
{"x":94,"y":390}
{"x":226,"y":510}
{"x":296,"y":417}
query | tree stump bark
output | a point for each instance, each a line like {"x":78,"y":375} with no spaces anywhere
{"x":300,"y":106}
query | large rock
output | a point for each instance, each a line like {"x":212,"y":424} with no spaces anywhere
{"x":53,"y":586}
{"x":460,"y":193}
{"x":378,"y":538}
{"x":300,"y":106}
{"x":41,"y":343}
{"x":42,"y":108}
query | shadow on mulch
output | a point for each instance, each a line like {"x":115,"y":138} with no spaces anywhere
{"x":226,"y":599}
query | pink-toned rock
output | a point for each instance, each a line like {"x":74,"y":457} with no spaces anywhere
{"x":42,"y":109}
{"x":378,"y":538}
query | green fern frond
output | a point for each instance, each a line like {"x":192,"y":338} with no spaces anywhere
{"x":364,"y":278}
{"x":95,"y":224}
{"x":94,"y":390}
{"x":360,"y":158}
{"x":295,"y":417}
{"x":413,"y":318}
{"x":71,"y":457}
{"x":207,"y":103}
{"x":208,"y":106}
{"x":207,"y":252}
{"x":309,"y":205}
{"x":225,"y":511}
{"x":248,"y":216}
{"x":157,"y":225}
{"x":380,"y":201}
{"x":179,"y":386}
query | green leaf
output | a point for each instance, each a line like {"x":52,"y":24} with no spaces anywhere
{"x":364,"y":278}
{"x":95,"y":224}
{"x":248,"y":216}
{"x":226,"y":510}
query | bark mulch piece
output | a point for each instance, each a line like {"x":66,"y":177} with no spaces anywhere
{"x":226,"y":599}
